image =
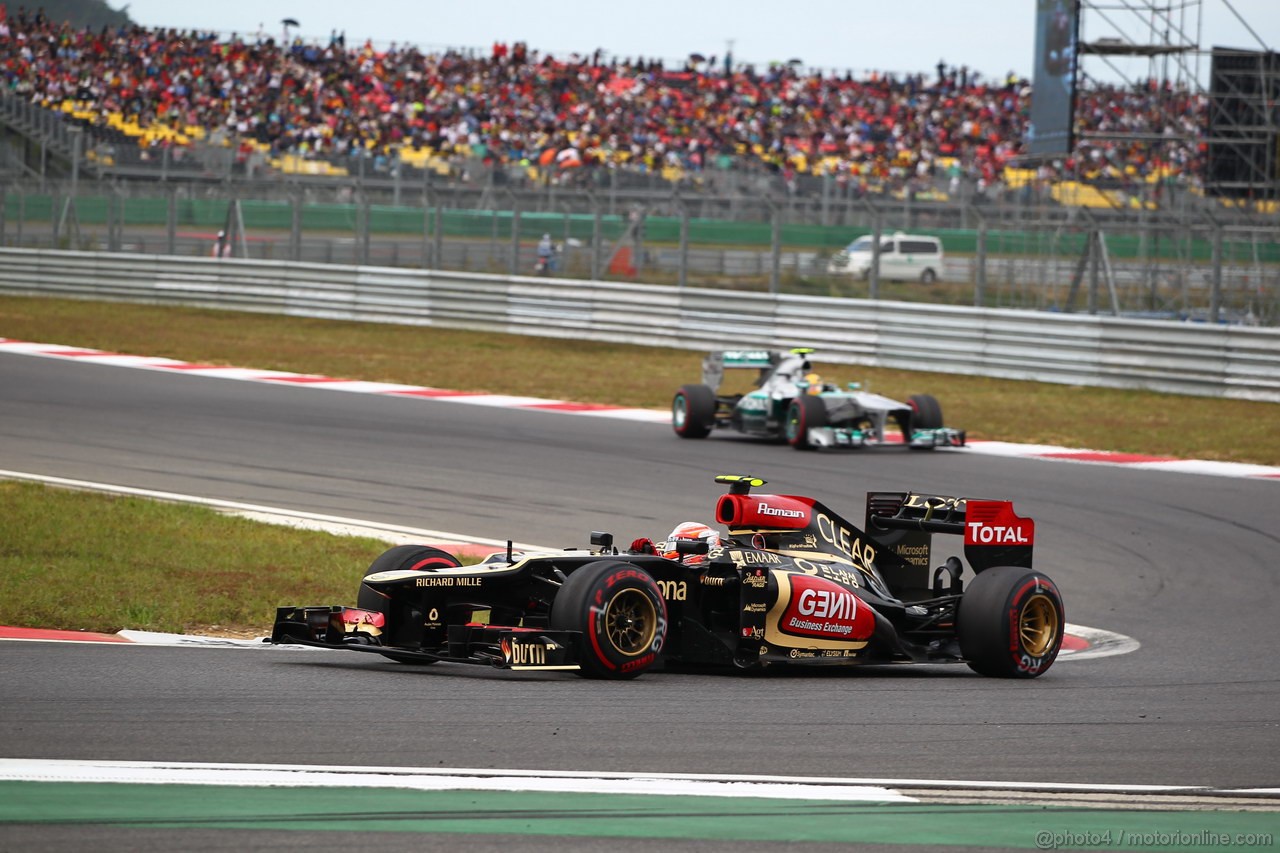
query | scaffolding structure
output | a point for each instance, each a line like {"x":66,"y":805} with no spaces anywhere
{"x":1241,"y":89}
{"x":1166,"y":34}
{"x":1244,"y":128}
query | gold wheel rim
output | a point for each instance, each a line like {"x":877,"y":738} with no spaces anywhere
{"x":630,"y":622}
{"x":1038,"y":625}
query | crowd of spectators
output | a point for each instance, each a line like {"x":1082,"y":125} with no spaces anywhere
{"x":563,"y":117}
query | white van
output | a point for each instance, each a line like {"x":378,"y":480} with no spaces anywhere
{"x":907,"y":257}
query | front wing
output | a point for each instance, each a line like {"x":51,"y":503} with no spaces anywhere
{"x":836,"y":437}
{"x":501,"y":646}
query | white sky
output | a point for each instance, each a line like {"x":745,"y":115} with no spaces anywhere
{"x":991,"y":36}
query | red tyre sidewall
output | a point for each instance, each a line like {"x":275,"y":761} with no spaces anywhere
{"x":1024,"y":663}
{"x":604,"y":652}
{"x":433,"y":563}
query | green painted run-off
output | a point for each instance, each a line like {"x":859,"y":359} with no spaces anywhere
{"x":628,"y":816}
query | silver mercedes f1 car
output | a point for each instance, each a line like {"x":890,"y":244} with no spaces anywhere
{"x":790,"y":402}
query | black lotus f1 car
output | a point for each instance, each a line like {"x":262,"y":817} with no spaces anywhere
{"x":794,"y":583}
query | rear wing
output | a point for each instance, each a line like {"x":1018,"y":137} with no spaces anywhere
{"x":716,"y":363}
{"x":895,"y":544}
{"x":994,"y":535}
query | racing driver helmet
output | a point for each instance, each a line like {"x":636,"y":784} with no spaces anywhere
{"x":692,"y":531}
{"x":815,"y":383}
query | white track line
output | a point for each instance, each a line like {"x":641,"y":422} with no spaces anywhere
{"x":455,"y":778}
{"x":434,"y":779}
{"x":292,"y":518}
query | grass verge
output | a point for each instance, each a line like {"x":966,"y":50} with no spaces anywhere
{"x":83,"y":561}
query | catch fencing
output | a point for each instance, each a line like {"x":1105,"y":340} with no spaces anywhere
{"x":1094,"y":350}
{"x":1189,"y":262}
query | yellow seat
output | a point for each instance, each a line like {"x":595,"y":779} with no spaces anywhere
{"x":1078,"y":194}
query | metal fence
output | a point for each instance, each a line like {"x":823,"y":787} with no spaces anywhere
{"x":1186,"y":358}
{"x":1188,"y":264}
{"x":1131,"y":248}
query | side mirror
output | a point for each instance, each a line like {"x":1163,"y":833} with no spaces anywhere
{"x":601,"y":541}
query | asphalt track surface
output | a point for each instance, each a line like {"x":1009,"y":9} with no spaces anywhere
{"x":1184,"y":563}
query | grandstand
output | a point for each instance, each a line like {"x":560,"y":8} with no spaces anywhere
{"x":153,"y":140}
{"x":195,"y":102}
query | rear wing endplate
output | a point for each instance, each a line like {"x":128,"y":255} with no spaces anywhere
{"x":994,"y":535}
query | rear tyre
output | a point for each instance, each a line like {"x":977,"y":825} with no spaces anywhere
{"x":1010,"y":623}
{"x":926,"y":412}
{"x":401,"y":558}
{"x":804,"y":414}
{"x":621,"y":614}
{"x":693,"y":411}
{"x":928,"y":277}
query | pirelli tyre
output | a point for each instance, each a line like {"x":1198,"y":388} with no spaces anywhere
{"x":400,"y":558}
{"x":926,"y":412}
{"x":805,"y":413}
{"x":1010,"y":622}
{"x":621,"y":614}
{"x":693,"y":411}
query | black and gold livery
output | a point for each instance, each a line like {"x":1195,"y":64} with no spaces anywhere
{"x":793,"y":583}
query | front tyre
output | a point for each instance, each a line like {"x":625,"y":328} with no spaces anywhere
{"x":1010,"y":623}
{"x":693,"y":411}
{"x":806,"y":413}
{"x":926,"y":411}
{"x":401,"y":558}
{"x":621,"y":614}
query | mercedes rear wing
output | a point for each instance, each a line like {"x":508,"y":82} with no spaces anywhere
{"x":716,"y":363}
